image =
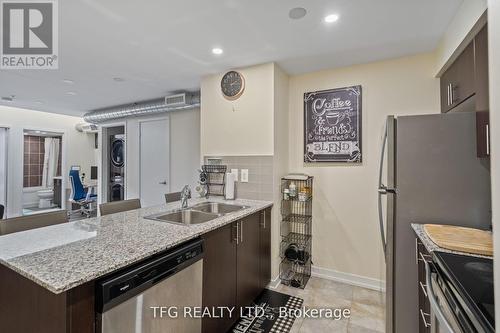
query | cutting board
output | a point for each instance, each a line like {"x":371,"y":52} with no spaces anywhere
{"x":461,"y":239}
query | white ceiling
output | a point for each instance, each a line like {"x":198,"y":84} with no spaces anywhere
{"x":159,"y":46}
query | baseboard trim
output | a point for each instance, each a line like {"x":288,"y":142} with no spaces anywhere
{"x":348,"y":278}
{"x":274,"y":283}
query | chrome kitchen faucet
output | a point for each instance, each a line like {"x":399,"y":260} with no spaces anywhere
{"x":185,"y":195}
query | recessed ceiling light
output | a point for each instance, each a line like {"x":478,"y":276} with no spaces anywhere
{"x":39,"y":102}
{"x":71,"y":93}
{"x":118,"y":79}
{"x":38,"y":132}
{"x":297,"y":13}
{"x":331,"y":18}
{"x":217,"y":50}
{"x":68,"y":81}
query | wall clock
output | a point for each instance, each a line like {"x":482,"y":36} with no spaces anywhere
{"x":232,"y":85}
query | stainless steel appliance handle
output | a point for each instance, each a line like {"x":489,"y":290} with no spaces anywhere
{"x":444,"y":325}
{"x":382,"y":189}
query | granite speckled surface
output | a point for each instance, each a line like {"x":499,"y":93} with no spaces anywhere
{"x":64,"y":256}
{"x":431,"y":246}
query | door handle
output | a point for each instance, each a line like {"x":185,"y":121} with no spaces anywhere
{"x":263,"y":220}
{"x":241,"y":232}
{"x":381,"y":191}
{"x":163,"y":182}
{"x":449,"y":94}
{"x":423,"y":314}
{"x":385,"y":190}
{"x":487,"y":139}
{"x":237,"y":233}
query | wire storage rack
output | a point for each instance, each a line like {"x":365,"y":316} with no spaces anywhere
{"x":215,"y":179}
{"x":296,"y":230}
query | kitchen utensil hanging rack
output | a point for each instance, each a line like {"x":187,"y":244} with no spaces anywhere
{"x":216,"y":179}
{"x":296,"y":230}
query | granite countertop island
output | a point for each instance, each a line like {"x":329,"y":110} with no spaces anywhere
{"x":431,"y":246}
{"x":64,"y":256}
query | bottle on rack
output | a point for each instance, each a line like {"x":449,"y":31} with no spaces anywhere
{"x":286,"y":194}
{"x":293,"y":190}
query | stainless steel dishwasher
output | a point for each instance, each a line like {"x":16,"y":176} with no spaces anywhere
{"x":126,"y":301}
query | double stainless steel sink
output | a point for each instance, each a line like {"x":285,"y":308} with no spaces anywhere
{"x":199,"y":213}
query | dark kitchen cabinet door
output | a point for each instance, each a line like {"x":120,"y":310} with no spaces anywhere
{"x":219,"y":276}
{"x":458,"y":83}
{"x":424,"y":307}
{"x":464,"y":87}
{"x":481,"y":70}
{"x":483,"y":134}
{"x":248,"y":258}
{"x":446,"y":82}
{"x":482,"y":94}
{"x":265,"y":247}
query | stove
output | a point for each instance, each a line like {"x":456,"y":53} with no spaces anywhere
{"x":470,"y":281}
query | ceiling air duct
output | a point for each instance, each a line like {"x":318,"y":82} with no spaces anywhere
{"x":184,"y":101}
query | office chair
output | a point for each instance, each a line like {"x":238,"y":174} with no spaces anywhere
{"x":80,"y":195}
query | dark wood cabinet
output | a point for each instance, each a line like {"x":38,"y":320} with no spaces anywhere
{"x":26,"y":307}
{"x":248,"y":256}
{"x":424,"y":308}
{"x":482,"y":95}
{"x":483,"y":134}
{"x":467,"y":77}
{"x":481,"y":70}
{"x":236,"y":267}
{"x":265,"y":247}
{"x":457,"y":83}
{"x":219,"y":275}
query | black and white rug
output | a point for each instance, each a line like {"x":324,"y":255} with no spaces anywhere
{"x":270,"y":314}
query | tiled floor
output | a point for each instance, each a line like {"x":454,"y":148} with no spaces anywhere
{"x":367,"y":307}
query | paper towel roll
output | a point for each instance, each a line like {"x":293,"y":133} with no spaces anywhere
{"x":230,"y":183}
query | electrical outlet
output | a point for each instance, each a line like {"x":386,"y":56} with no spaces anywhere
{"x":235,"y":173}
{"x":244,"y":175}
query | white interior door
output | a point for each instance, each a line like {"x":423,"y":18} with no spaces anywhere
{"x":154,"y":161}
{"x":3,"y":168}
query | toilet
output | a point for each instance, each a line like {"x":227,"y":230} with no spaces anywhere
{"x":45,"y":197}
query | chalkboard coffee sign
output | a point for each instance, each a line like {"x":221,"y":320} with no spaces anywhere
{"x":332,"y":125}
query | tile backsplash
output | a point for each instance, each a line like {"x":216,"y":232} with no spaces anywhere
{"x":260,"y":175}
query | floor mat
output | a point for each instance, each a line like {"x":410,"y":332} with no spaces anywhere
{"x":272,"y":318}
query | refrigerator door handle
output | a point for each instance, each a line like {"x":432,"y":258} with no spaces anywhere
{"x":382,"y":190}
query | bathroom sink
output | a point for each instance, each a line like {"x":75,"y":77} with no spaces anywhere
{"x":217,"y":207}
{"x":184,"y":216}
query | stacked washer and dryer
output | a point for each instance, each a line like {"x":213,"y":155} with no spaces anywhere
{"x":116,"y":166}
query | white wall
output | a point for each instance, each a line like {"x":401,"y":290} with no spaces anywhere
{"x":281,"y":156}
{"x":243,"y":126}
{"x":345,"y":229}
{"x":494,"y":63}
{"x":459,"y":32}
{"x":78,"y":147}
{"x":184,"y":151}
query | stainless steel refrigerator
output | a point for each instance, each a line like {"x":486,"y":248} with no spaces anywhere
{"x":429,"y":173}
